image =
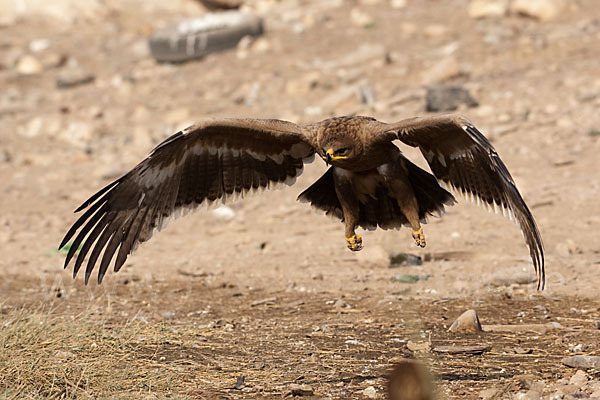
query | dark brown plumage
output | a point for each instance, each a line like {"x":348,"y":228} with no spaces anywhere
{"x":370,"y":183}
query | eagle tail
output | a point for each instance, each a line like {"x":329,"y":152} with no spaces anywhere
{"x":381,"y":210}
{"x":431,"y":197}
{"x":322,"y":196}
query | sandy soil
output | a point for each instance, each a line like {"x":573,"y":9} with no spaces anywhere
{"x":538,"y":88}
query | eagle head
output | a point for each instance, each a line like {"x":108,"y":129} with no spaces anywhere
{"x":337,"y":148}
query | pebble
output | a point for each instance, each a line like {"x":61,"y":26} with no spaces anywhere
{"x":397,"y":4}
{"x":224,"y":212}
{"x":490,"y":393}
{"x":360,"y":18}
{"x":509,"y":277}
{"x":72,"y":77}
{"x":467,"y":322}
{"x":447,"y":98}
{"x":29,"y":65}
{"x":435,"y":30}
{"x":579,"y":378}
{"x":369,"y":392}
{"x":543,"y":10}
{"x":582,"y":361}
{"x":404,"y":259}
{"x":487,"y":8}
{"x":299,"y":390}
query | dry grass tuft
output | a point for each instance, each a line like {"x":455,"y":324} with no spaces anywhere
{"x":44,"y":355}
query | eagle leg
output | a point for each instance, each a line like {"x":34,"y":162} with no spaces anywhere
{"x":395,"y":176}
{"x":345,"y":192}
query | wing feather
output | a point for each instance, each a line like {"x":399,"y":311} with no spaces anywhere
{"x":214,"y":160}
{"x":462,"y":158}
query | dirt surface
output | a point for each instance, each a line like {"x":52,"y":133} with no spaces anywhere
{"x":270,"y":290}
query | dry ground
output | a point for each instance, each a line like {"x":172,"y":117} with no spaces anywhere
{"x":272,"y":294}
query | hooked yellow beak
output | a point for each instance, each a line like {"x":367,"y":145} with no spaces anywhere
{"x":329,"y":157}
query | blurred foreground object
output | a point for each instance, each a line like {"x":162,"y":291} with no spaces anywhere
{"x":410,"y":380}
{"x":221,"y":4}
{"x":195,"y":38}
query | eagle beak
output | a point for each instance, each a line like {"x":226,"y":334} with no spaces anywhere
{"x":328,"y":156}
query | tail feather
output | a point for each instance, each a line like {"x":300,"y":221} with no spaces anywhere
{"x":381,"y":210}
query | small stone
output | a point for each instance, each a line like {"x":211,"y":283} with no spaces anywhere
{"x":488,"y":393}
{"x":582,"y":361}
{"x":224,"y":212}
{"x":409,"y":278}
{"x":579,"y":378}
{"x":38,"y":45}
{"x":530,"y":395}
{"x":543,"y":10}
{"x":369,"y":392}
{"x":468,"y":322}
{"x":509,"y":277}
{"x":435,"y":30}
{"x":222,"y":4}
{"x":447,"y":98}
{"x":29,"y":65}
{"x":418,"y":346}
{"x":404,"y":259}
{"x":487,"y":8}
{"x":299,"y":390}
{"x":72,"y":77}
{"x":360,"y":18}
{"x":32,"y":129}
{"x":576,"y":396}
{"x":63,"y":354}
{"x":397,"y":4}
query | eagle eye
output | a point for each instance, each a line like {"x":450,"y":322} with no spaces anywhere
{"x":341,"y":152}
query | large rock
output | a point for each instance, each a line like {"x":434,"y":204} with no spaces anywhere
{"x":543,"y":10}
{"x":468,"y":322}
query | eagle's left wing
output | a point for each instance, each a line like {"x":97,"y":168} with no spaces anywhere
{"x":462,"y":158}
{"x":214,"y":160}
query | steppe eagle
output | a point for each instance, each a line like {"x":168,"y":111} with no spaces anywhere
{"x":369,"y":184}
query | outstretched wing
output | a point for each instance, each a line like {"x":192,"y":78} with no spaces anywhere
{"x":210,"y":161}
{"x":462,"y":158}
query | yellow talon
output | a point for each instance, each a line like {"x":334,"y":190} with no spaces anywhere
{"x":419,"y":237}
{"x":354,"y":243}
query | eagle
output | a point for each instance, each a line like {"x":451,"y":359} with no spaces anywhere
{"x":369,"y":182}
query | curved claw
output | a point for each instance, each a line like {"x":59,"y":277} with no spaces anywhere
{"x":354,"y":243}
{"x":419,"y":237}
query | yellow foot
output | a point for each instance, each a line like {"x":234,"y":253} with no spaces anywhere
{"x":354,"y":243}
{"x":419,"y":237}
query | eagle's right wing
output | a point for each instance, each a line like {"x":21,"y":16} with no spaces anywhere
{"x":462,"y":158}
{"x":213,"y":160}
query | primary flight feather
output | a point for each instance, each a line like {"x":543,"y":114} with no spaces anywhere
{"x":369,"y":184}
